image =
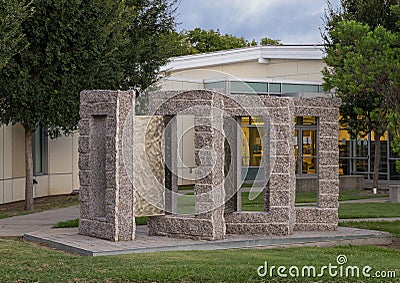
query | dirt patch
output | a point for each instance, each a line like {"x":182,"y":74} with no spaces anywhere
{"x":368,"y":193}
{"x":395,"y":244}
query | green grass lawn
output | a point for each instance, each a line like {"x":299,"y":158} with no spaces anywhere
{"x":73,"y":223}
{"x":67,"y":224}
{"x":186,"y":204}
{"x":368,"y":210}
{"x":346,"y":210}
{"x":310,"y":197}
{"x":22,"y":262}
{"x":392,"y":227}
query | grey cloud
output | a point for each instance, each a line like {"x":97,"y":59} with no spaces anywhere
{"x":292,"y":21}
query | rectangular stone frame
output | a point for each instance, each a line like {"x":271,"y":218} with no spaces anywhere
{"x":210,"y":225}
{"x":107,"y":195}
{"x":282,"y":216}
{"x":325,"y":215}
{"x":280,"y":190}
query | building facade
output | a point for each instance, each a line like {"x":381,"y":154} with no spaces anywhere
{"x":278,"y":71}
{"x":55,"y":164}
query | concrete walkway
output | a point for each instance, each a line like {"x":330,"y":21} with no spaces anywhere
{"x":19,"y":225}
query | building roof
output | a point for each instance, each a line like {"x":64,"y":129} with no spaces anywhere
{"x":262,"y":54}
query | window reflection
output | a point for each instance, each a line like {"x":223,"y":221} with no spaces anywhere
{"x":251,"y":141}
{"x":305,"y":145}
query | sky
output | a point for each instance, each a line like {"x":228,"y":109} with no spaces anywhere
{"x":291,"y":21}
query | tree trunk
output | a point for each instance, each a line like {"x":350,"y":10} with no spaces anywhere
{"x":29,"y":204}
{"x":377,"y":160}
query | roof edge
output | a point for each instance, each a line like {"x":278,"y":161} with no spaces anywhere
{"x":262,"y":53}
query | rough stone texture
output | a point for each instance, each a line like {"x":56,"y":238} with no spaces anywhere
{"x":209,"y":139}
{"x":325,"y":215}
{"x":280,"y":216}
{"x":108,"y":200}
{"x":181,"y":227}
{"x":108,"y":196}
{"x":316,"y":219}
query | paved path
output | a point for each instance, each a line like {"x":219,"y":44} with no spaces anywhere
{"x":19,"y":225}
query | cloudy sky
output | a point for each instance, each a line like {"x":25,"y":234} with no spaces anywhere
{"x":291,"y":21}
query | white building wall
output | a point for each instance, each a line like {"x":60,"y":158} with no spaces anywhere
{"x":276,"y":70}
{"x":62,"y":175}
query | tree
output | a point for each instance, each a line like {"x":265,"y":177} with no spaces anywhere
{"x":12,"y":14}
{"x":360,"y":66}
{"x":269,"y":41}
{"x":147,"y":49}
{"x":76,"y":45}
{"x":198,"y":40}
{"x":374,"y":13}
{"x":382,"y":14}
{"x":202,"y":41}
{"x":393,"y":97}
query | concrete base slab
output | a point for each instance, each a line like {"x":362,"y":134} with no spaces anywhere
{"x":69,"y":240}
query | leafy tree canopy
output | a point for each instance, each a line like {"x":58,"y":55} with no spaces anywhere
{"x":363,"y":50}
{"x":196,"y":41}
{"x":76,"y":45}
{"x":373,"y":13}
{"x":361,"y":66}
{"x":12,"y":14}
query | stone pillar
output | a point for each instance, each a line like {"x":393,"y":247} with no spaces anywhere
{"x":328,"y":167}
{"x":282,"y":178}
{"x":325,"y":215}
{"x":106,"y":194}
{"x":328,"y":160}
{"x":278,"y":217}
{"x":209,"y":189}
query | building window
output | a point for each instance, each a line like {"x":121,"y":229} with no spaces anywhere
{"x":252,"y":148}
{"x":296,"y":88}
{"x":40,"y":151}
{"x":248,"y":87}
{"x":275,"y":88}
{"x":394,"y":159}
{"x":262,"y":88}
{"x":305,"y":145}
{"x":344,"y":152}
{"x":217,"y":85}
